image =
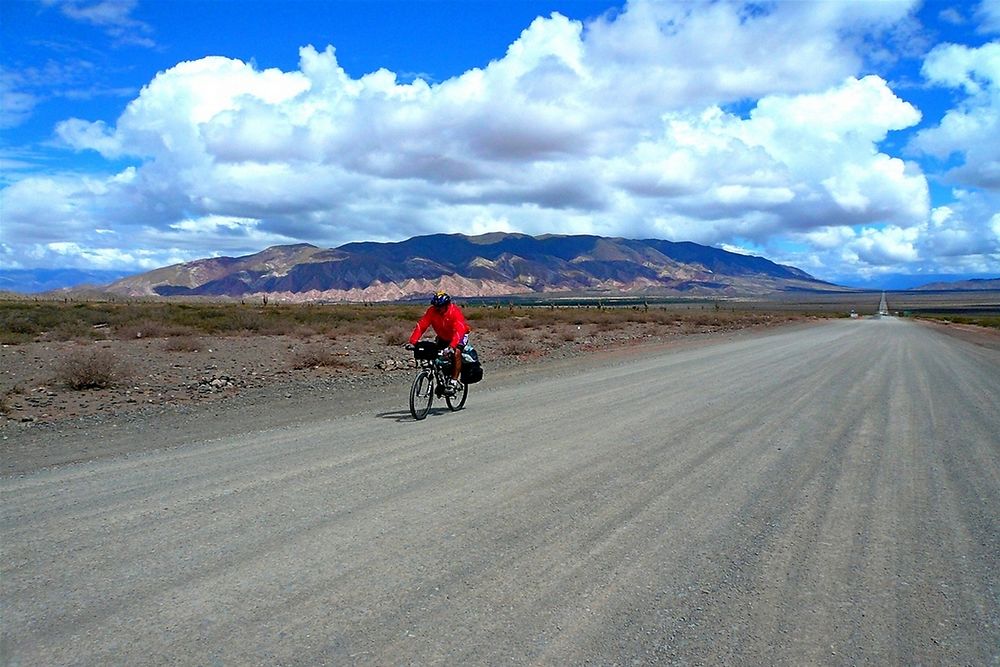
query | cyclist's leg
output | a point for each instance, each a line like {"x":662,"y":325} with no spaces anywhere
{"x":456,"y":373}
{"x":443,"y":344}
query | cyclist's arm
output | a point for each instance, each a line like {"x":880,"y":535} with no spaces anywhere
{"x":459,"y":328}
{"x":421,"y":327}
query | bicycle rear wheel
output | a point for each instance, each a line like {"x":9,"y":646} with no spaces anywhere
{"x":457,"y":400}
{"x":421,"y":394}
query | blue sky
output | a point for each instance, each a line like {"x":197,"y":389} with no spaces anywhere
{"x":854,"y":140}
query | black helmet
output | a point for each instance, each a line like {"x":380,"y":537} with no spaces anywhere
{"x":441,"y":300}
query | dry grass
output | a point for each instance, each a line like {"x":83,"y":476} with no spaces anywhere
{"x":511,"y":333}
{"x":989,"y":321}
{"x":91,"y":368}
{"x":183,"y":344}
{"x":568,"y":334}
{"x":316,"y":356}
{"x":396,"y":337}
{"x":150,"y":328}
{"x":515,"y":348}
{"x":27,"y":321}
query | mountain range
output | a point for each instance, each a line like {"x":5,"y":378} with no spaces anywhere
{"x":974,"y":284}
{"x":497,"y":264}
{"x":34,"y":281}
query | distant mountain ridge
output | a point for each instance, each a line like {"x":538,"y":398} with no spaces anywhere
{"x":33,"y":281}
{"x":973,"y":284}
{"x":497,"y":264}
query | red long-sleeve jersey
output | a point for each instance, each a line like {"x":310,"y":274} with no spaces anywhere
{"x":450,"y":325}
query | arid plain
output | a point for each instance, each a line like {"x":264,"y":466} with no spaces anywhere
{"x":78,"y":363}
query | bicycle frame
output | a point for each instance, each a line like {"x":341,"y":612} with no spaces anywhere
{"x":440,"y":367}
{"x":433,"y":377}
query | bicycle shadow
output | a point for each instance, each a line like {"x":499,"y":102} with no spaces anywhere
{"x":405,"y":416}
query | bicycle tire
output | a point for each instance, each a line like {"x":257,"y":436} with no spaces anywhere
{"x":421,"y":394}
{"x":457,"y":400}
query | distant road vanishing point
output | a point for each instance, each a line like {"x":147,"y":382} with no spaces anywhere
{"x":825,"y":494}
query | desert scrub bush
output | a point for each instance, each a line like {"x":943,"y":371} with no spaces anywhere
{"x":515,"y":348}
{"x":568,"y":335}
{"x":395,"y":337}
{"x":17,"y":324}
{"x":22,"y":321}
{"x":551,"y":340}
{"x":149,"y":328}
{"x":503,"y":326}
{"x":90,"y":368}
{"x":187,"y":343}
{"x":511,"y":333}
{"x":316,"y":356}
{"x":8,"y":337}
{"x":486,"y":323}
{"x":254,"y":322}
{"x":203,"y":318}
{"x":986,"y":320}
{"x":77,"y":330}
{"x":36,"y":317}
{"x":5,"y":402}
{"x":609,"y":325}
{"x":350,"y":318}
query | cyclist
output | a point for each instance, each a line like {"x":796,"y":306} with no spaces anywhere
{"x":452,"y":331}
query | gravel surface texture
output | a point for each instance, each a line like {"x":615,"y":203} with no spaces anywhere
{"x":811,"y":495}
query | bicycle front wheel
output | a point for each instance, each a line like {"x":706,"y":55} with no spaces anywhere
{"x":421,"y":394}
{"x":456,"y":401}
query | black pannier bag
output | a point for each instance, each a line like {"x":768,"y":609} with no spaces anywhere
{"x":425,"y":349}
{"x":472,"y":370}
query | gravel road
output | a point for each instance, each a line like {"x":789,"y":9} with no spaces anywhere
{"x":828,"y":494}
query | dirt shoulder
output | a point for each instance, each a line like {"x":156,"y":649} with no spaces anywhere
{"x":981,"y":336}
{"x":225,"y":386}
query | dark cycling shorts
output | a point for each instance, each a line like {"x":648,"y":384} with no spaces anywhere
{"x":442,"y":343}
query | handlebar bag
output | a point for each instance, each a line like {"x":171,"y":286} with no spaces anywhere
{"x":425,"y":349}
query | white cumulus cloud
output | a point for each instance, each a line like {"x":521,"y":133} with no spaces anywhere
{"x":988,"y":14}
{"x":969,"y":130}
{"x":622,"y":126}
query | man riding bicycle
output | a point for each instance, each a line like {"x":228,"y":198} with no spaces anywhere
{"x":452,"y":331}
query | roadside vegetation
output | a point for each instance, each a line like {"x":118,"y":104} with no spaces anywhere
{"x":26,"y":321}
{"x":74,"y":358}
{"x":184,"y":323}
{"x":91,"y":368}
{"x":989,"y":320}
